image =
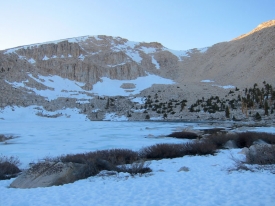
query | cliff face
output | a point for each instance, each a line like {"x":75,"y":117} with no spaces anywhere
{"x":27,"y":73}
{"x":87,"y":59}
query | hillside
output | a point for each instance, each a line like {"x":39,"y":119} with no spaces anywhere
{"x":103,"y":76}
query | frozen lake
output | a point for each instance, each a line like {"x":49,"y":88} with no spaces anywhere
{"x":36,"y":140}
{"x":39,"y":137}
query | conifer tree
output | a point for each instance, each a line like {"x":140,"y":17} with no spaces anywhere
{"x":227,"y":112}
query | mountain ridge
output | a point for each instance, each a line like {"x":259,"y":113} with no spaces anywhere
{"x":89,"y":62}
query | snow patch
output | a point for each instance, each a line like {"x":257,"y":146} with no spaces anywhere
{"x":38,"y":113}
{"x":57,"y":86}
{"x":202,"y":50}
{"x":148,"y":50}
{"x":45,"y":58}
{"x":224,"y":87}
{"x":114,"y":65}
{"x":114,"y":117}
{"x":82,"y":57}
{"x":17,"y":84}
{"x":134,"y":55}
{"x":140,"y":100}
{"x":32,"y":61}
{"x":179,"y":53}
{"x":155,"y":63}
{"x":112,"y":87}
{"x":207,"y":81}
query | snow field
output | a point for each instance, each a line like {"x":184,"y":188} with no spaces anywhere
{"x":207,"y":183}
{"x":62,"y":87}
{"x":112,"y":87}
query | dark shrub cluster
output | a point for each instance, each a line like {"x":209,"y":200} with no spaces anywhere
{"x":139,"y":167}
{"x":200,"y":148}
{"x":9,"y":167}
{"x":102,"y":160}
{"x":5,"y":137}
{"x":116,"y":159}
{"x":244,"y":139}
{"x":114,"y":156}
{"x":183,"y":135}
{"x":160,"y":151}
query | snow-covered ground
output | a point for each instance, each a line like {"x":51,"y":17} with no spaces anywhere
{"x":62,"y":87}
{"x":207,"y":182}
{"x":114,"y":86}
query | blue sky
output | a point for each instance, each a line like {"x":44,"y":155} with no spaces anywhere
{"x":177,"y":24}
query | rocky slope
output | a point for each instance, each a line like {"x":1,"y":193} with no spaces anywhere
{"x":110,"y":75}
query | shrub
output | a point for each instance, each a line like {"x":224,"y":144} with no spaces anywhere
{"x":220,"y":139}
{"x":115,"y":156}
{"x":5,"y":137}
{"x":165,"y":150}
{"x":147,"y":116}
{"x":244,"y":139}
{"x":9,"y":167}
{"x":139,"y":167}
{"x":183,"y":135}
{"x":257,"y":116}
{"x":200,"y":148}
{"x":160,"y":151}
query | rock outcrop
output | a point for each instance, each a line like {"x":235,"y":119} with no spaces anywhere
{"x":49,"y":174}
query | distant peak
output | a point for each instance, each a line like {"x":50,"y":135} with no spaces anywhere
{"x":258,"y":28}
{"x":266,"y":24}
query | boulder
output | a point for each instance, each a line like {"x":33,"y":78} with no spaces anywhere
{"x":244,"y":151}
{"x":230,"y":144}
{"x":48,"y":174}
{"x":261,"y":154}
{"x":259,"y":142}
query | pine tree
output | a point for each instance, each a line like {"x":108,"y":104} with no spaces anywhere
{"x":266,"y":107}
{"x":227,"y":112}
